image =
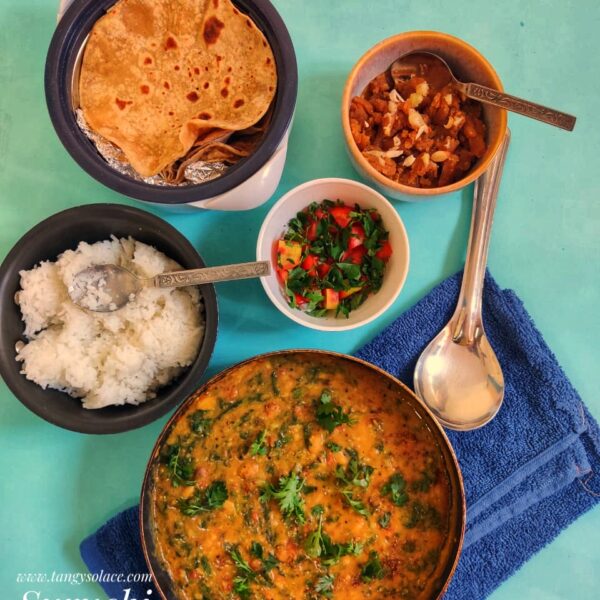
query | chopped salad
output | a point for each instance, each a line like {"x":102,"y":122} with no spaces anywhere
{"x":332,"y":257}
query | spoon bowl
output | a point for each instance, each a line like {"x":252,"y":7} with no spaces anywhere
{"x":462,"y":382}
{"x":106,"y":288}
{"x":458,"y":375}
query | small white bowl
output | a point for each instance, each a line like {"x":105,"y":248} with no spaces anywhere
{"x":350,"y":192}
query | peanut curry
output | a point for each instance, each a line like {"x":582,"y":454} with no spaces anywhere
{"x":301,"y":476}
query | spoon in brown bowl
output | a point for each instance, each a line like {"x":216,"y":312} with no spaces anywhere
{"x":458,"y":375}
{"x":437,"y":72}
{"x":106,"y":288}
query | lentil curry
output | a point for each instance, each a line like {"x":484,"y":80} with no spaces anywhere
{"x":301,"y":475}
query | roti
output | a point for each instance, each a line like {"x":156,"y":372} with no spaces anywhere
{"x":159,"y":75}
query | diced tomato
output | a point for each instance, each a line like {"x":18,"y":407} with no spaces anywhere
{"x":319,"y":214}
{"x":282,"y":275}
{"x":311,"y":231}
{"x":309,"y":263}
{"x":288,"y":254}
{"x":301,"y":299}
{"x":332,"y":299}
{"x":375,"y":215}
{"x":355,"y":255}
{"x":349,"y":292}
{"x":385,"y":251}
{"x":341,"y":215}
{"x":323,"y":269}
{"x":357,"y":236}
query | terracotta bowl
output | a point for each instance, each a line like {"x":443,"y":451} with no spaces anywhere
{"x":467,"y":65}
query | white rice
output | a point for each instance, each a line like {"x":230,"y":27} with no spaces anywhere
{"x":114,"y":358}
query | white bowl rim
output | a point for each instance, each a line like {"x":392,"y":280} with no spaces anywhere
{"x":296,"y":315}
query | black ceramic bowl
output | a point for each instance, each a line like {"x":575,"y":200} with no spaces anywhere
{"x":46,"y":241}
{"x":61,"y":64}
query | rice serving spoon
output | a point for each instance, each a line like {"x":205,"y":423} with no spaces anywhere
{"x":106,"y":288}
{"x":458,"y":375}
{"x":438,"y":73}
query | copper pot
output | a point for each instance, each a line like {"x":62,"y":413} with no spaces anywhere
{"x":457,"y":508}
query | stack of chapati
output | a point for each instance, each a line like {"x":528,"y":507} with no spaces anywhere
{"x":172,"y":82}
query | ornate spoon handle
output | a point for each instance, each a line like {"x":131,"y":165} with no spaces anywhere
{"x":212,"y":274}
{"x":467,"y":317}
{"x":518,"y":105}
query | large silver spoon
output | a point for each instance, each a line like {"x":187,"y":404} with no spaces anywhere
{"x":458,"y":375}
{"x":106,"y":288}
{"x":438,"y":74}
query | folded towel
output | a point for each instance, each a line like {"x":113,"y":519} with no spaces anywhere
{"x":528,"y":474}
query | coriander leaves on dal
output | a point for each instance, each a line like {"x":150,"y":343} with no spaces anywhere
{"x":157,"y":75}
{"x":295,"y":474}
{"x":107,"y":358}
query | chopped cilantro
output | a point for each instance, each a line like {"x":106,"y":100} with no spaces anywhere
{"x":200,"y":423}
{"x":395,"y":488}
{"x":427,"y":479}
{"x":181,"y":469}
{"x":423,"y":516}
{"x":258,"y":447}
{"x":205,"y":500}
{"x":319,"y":545}
{"x":287,"y":491}
{"x":274,"y":383}
{"x":372,"y":569}
{"x":355,"y":473}
{"x":356,"y":505}
{"x":330,"y":415}
{"x":384,"y":520}
{"x":324,"y":585}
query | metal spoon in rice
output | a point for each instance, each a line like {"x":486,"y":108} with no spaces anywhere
{"x":106,"y":288}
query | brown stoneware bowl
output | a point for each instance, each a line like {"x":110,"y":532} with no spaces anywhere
{"x":467,"y":64}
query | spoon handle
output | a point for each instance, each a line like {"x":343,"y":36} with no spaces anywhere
{"x":518,"y":105}
{"x":467,"y":318}
{"x":212,"y":274}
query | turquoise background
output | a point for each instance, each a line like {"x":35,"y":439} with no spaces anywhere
{"x":56,"y":486}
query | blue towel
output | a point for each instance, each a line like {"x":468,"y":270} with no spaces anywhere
{"x":528,"y":474}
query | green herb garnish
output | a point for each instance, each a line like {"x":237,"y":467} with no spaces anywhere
{"x":181,"y":469}
{"x":356,"y":505}
{"x":424,"y":483}
{"x":287,"y":491}
{"x":319,"y":545}
{"x":372,"y":569}
{"x":205,"y":500}
{"x":395,"y":488}
{"x":199,"y":423}
{"x":384,"y":520}
{"x":258,"y":447}
{"x":268,"y":562}
{"x":245,"y":574}
{"x":330,"y":415}
{"x":355,"y":473}
{"x":423,"y":516}
{"x":324,"y":585}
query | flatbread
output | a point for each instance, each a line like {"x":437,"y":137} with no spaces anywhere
{"x":158,"y":74}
